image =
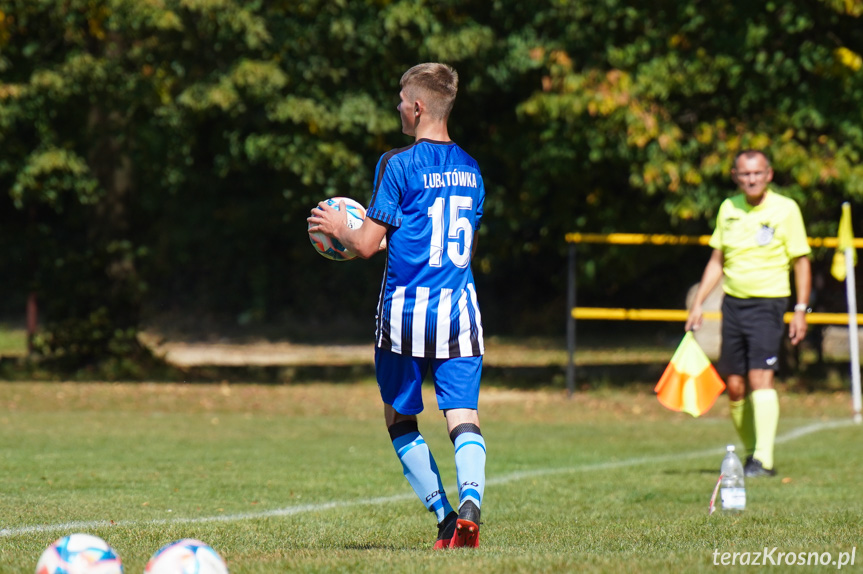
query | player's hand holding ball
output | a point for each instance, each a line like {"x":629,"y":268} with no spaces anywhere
{"x":320,"y":232}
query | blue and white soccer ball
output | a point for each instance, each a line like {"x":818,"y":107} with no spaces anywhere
{"x":329,"y":247}
{"x":187,"y":556}
{"x":79,"y":554}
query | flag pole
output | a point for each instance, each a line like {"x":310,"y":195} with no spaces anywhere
{"x":853,"y":334}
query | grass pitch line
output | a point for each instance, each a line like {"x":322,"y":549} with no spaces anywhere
{"x":83,"y":525}
{"x":287,"y":511}
{"x":610,"y":465}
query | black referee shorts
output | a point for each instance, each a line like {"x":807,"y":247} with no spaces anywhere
{"x":752,"y":332}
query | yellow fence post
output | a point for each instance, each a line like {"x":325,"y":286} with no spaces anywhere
{"x":570,"y":321}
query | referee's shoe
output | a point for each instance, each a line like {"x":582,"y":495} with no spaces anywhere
{"x":754,"y":468}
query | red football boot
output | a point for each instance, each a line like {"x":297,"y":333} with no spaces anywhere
{"x":466,"y":527}
{"x":445,"y":531}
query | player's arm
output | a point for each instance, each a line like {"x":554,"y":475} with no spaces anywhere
{"x":709,"y":279}
{"x":803,"y":283}
{"x":473,"y":245}
{"x":365,"y":241}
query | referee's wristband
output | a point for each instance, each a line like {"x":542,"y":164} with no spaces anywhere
{"x":802,"y":307}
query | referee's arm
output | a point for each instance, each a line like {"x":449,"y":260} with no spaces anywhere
{"x":803,"y":283}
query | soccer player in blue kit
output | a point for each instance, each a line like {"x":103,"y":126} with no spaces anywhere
{"x":425,"y":211}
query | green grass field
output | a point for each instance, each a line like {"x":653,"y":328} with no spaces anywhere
{"x":302,"y":478}
{"x":13,"y":341}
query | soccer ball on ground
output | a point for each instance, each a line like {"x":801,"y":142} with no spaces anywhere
{"x":79,"y":554}
{"x":329,"y":247}
{"x":187,"y":556}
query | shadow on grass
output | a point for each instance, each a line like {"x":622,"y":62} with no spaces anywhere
{"x":691,"y":471}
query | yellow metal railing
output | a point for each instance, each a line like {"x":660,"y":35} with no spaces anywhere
{"x":660,"y":314}
{"x":658,"y":239}
{"x":614,"y":314}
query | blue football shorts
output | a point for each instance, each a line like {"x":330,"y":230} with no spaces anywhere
{"x":400,"y":379}
{"x":752,"y":332}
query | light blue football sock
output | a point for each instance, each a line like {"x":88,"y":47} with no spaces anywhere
{"x":422,"y":473}
{"x":469,"y":464}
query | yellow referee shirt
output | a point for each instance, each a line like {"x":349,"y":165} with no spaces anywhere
{"x":758,"y":244}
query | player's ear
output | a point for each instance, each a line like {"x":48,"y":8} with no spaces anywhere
{"x":769,"y":174}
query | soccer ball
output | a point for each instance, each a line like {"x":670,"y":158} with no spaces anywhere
{"x":79,"y":554}
{"x":329,"y":247}
{"x":187,"y":556}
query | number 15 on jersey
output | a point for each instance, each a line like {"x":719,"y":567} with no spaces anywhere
{"x":458,"y":237}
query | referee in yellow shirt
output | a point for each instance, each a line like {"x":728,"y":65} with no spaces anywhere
{"x":759,"y":237}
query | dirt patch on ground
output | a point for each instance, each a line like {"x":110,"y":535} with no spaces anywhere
{"x":282,"y":353}
{"x":533,"y":353}
{"x":263,"y":354}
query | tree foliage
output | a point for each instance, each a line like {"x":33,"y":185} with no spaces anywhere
{"x":160,"y":157}
{"x":685,"y":86}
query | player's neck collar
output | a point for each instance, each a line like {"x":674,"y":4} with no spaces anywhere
{"x":427,"y":140}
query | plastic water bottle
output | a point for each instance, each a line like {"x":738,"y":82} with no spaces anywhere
{"x":731,"y":490}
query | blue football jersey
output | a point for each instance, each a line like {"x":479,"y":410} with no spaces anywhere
{"x":431,"y":195}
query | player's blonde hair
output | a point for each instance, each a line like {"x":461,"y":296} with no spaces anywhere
{"x":435,"y":84}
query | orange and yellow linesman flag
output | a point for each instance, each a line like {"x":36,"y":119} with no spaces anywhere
{"x":690,"y":383}
{"x":845,"y":238}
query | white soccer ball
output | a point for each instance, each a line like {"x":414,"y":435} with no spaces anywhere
{"x":187,"y":556}
{"x":79,"y":554}
{"x":329,"y":247}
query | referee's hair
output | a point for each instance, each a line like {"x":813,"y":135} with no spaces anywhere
{"x":749,"y":154}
